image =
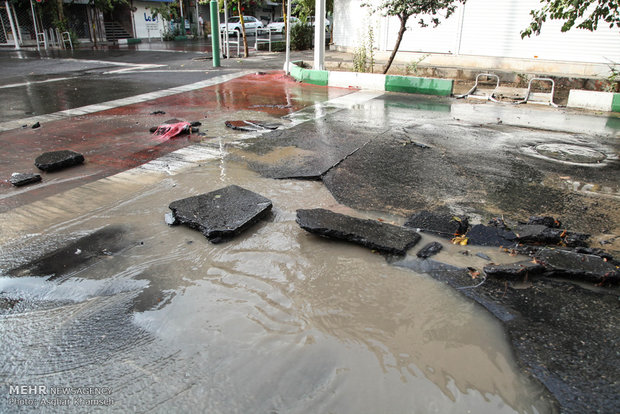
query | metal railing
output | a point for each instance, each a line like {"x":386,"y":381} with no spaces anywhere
{"x":237,"y":40}
{"x":259,"y":39}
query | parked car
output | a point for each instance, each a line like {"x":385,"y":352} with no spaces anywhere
{"x":327,"y":22}
{"x":278,"y":24}
{"x":252,"y":24}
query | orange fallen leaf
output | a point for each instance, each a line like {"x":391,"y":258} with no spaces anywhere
{"x":460,"y":240}
{"x":473,"y":272}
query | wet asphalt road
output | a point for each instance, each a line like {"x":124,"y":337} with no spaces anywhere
{"x":35,"y":83}
{"x":486,"y":160}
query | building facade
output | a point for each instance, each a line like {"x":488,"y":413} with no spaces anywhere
{"x":479,"y":28}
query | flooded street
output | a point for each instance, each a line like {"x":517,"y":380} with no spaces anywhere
{"x":275,"y":321}
{"x":102,"y":299}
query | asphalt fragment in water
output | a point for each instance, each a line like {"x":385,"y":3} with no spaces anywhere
{"x":220,"y":214}
{"x":482,"y":235}
{"x":444,"y":225}
{"x":573,"y":265}
{"x":383,"y":237}
{"x":429,"y":250}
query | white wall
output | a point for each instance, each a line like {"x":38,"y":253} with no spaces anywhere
{"x":143,"y":18}
{"x":489,"y":28}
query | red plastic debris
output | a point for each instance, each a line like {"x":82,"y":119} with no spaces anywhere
{"x":167,"y":131}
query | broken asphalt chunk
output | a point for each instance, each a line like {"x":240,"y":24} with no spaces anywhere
{"x":58,"y":160}
{"x":572,"y":239}
{"x":513,"y":271}
{"x":221,"y":214}
{"x":572,"y":265}
{"x":250,"y":126}
{"x":383,"y":237}
{"x":546,"y":221}
{"x":482,"y":235}
{"x":429,"y":250}
{"x":445,"y":225}
{"x":20,"y":179}
{"x":538,"y":233}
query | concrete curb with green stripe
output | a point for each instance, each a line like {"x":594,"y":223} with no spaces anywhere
{"x":315,"y":77}
{"x":390,"y":83}
{"x":593,"y":100}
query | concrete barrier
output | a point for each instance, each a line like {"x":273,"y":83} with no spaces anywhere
{"x":593,"y":100}
{"x":372,"y":81}
{"x":129,"y":41}
{"x":357,"y":80}
{"x":425,"y":86}
{"x":315,"y":77}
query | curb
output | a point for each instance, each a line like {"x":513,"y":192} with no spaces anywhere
{"x":597,"y":101}
{"x":128,"y":41}
{"x":592,"y":100}
{"x":315,"y":77}
{"x":380,"y":82}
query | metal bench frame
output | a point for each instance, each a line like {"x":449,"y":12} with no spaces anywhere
{"x":531,"y":97}
{"x":487,"y":94}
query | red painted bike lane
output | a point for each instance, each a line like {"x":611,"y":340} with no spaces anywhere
{"x":119,"y":139}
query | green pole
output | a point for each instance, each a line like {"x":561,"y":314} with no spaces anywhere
{"x":215,"y":35}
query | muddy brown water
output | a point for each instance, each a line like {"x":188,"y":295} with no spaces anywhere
{"x":277,"y":320}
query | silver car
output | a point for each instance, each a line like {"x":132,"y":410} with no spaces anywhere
{"x":277,"y":25}
{"x":252,"y":24}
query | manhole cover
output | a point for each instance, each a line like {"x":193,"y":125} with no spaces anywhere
{"x":570,"y":153}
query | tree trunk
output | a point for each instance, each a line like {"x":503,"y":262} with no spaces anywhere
{"x":242,"y":23}
{"x":401,"y":32}
{"x":61,"y":14}
{"x":94,"y":24}
{"x":284,"y":15}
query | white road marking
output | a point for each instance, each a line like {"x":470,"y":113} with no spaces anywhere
{"x":89,"y":109}
{"x":17,"y":85}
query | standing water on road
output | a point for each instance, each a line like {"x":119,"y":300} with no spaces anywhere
{"x":274,"y":321}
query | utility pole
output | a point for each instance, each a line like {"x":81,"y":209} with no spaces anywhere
{"x":287,"y":60}
{"x":319,"y":35}
{"x":215,"y":35}
{"x":15,"y":37}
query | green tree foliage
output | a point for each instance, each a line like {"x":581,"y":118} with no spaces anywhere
{"x":167,"y":11}
{"x":305,"y":8}
{"x":429,"y":10}
{"x":582,"y":14}
{"x":301,"y":36}
{"x":107,"y":5}
{"x":240,"y":8}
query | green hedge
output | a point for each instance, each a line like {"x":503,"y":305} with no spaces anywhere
{"x":279,"y":46}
